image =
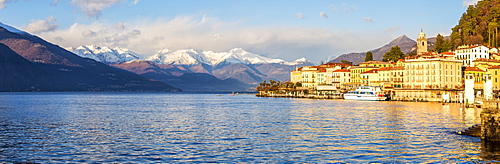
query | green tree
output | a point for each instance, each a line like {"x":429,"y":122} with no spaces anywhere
{"x":369,"y":56}
{"x":478,"y":25}
{"x":394,"y":54}
{"x":439,"y":44}
{"x":346,"y":62}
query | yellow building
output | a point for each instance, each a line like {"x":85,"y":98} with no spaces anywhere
{"x":356,"y":73}
{"x":370,"y":78}
{"x":341,"y":77}
{"x":478,"y":76}
{"x":437,"y":72}
{"x":384,"y":77}
{"x":495,"y":76}
{"x":312,"y":76}
{"x":308,"y":79}
{"x":296,"y":75}
{"x":484,"y":64}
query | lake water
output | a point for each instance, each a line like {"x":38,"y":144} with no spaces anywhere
{"x":191,"y":128}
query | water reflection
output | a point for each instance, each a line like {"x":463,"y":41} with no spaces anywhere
{"x":148,"y":128}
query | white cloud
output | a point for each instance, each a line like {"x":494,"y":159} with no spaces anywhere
{"x":40,"y":26}
{"x":93,"y":8}
{"x":3,"y":2}
{"x":466,"y":3}
{"x":343,"y":8}
{"x":146,"y":37}
{"x":368,"y":19}
{"x":393,"y":28}
{"x":136,"y":1}
{"x":299,"y":16}
{"x":323,"y":15}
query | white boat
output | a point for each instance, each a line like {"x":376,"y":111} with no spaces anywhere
{"x":367,"y":93}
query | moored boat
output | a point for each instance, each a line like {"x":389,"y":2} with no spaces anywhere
{"x":366,"y":93}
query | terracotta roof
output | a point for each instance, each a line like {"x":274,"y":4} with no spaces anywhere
{"x":486,"y":60}
{"x":365,"y":67}
{"x":342,"y":70}
{"x":385,"y":69}
{"x":374,"y":62}
{"x":398,"y":68}
{"x":495,"y":67}
{"x":371,"y":71}
{"x":473,"y":69}
{"x":448,"y":53}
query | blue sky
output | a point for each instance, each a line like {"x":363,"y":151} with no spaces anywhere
{"x":285,"y":29}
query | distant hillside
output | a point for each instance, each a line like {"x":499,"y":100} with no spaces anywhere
{"x":477,"y":25}
{"x":406,"y":44}
{"x":182,"y":77}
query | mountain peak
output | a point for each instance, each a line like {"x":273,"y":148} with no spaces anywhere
{"x":12,"y":29}
{"x":104,"y":54}
{"x":401,"y":39}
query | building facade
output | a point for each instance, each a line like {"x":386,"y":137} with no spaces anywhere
{"x":432,"y":73}
{"x":467,"y":54}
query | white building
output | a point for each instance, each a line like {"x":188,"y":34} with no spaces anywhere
{"x":470,"y":53}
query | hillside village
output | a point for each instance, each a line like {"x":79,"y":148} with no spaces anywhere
{"x":467,"y":70}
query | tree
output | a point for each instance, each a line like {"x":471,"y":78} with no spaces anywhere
{"x":478,"y":25}
{"x":369,"y":56}
{"x":394,"y":54}
{"x":439,"y":44}
{"x":346,"y":62}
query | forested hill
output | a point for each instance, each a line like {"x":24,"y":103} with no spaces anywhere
{"x":478,"y":25}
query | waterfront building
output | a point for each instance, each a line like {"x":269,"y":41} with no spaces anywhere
{"x":312,"y":76}
{"x":484,"y":64}
{"x":467,"y":54}
{"x":477,"y":76}
{"x":308,"y":78}
{"x":384,"y":77}
{"x":427,"y":76}
{"x":296,"y":75}
{"x":494,"y":71}
{"x":432,"y":71}
{"x":370,"y":78}
{"x":397,"y":76}
{"x":356,"y":78}
{"x":340,"y":78}
{"x":356,"y":73}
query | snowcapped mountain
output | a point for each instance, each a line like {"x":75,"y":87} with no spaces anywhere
{"x":170,"y":66}
{"x":233,"y":56}
{"x":180,"y":57}
{"x":12,"y":29}
{"x":104,"y":54}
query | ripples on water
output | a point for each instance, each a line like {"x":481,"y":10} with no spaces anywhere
{"x":157,"y":127}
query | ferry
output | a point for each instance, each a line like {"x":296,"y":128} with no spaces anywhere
{"x":367,"y":93}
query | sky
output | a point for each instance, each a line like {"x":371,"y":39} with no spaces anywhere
{"x":318,"y":30}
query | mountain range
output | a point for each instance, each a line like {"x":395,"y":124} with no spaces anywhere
{"x":406,"y":45}
{"x":30,"y":63}
{"x":197,"y":70}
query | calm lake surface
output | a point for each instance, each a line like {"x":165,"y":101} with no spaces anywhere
{"x":166,"y":127}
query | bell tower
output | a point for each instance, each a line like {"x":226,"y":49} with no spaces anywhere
{"x":421,"y":42}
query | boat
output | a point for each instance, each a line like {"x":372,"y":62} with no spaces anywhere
{"x":367,"y":93}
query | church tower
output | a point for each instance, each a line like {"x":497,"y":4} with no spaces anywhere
{"x":421,"y":43}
